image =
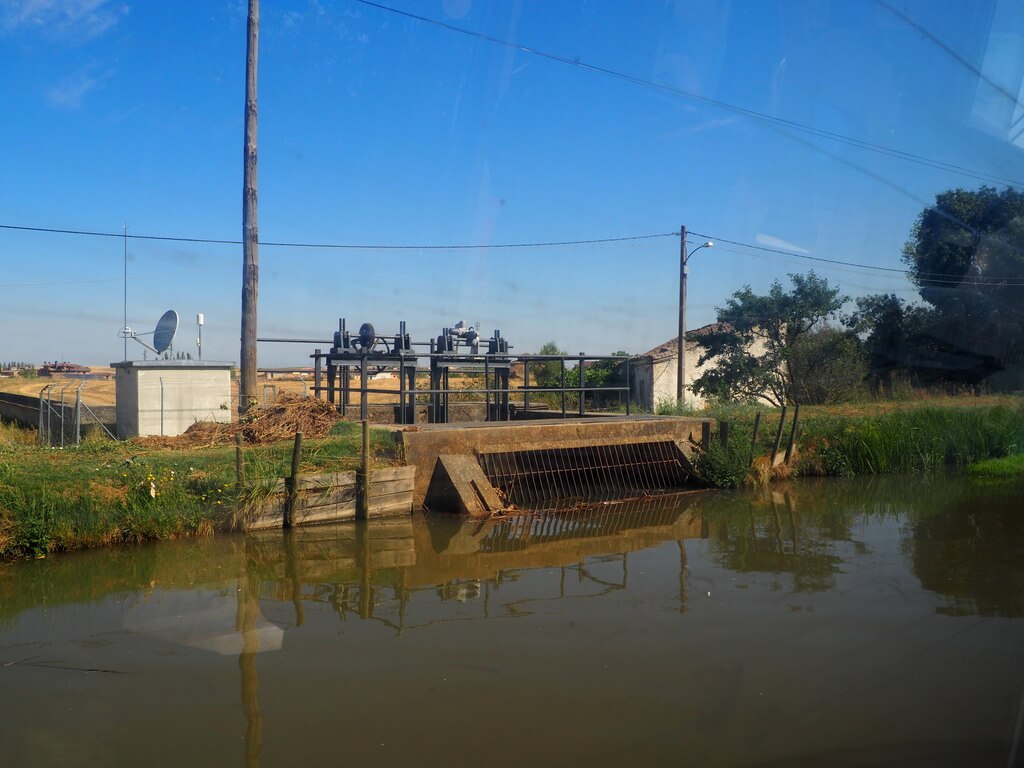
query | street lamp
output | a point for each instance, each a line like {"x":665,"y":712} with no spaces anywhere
{"x":684,"y":259}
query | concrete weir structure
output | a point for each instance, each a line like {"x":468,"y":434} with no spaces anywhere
{"x":481,"y":468}
{"x":166,"y":397}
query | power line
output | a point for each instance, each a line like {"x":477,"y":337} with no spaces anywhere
{"x":925,"y":277}
{"x":762,"y":116}
{"x":930,"y":282}
{"x":929,"y":277}
{"x":97,"y":280}
{"x":954,"y":54}
{"x":346,"y":246}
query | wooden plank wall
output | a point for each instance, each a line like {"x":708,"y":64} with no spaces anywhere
{"x":331,"y":498}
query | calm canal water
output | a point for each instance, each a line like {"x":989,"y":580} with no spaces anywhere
{"x":867,"y":622}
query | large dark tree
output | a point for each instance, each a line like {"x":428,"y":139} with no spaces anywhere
{"x":752,"y":345}
{"x":894,"y":331}
{"x":966,"y":255}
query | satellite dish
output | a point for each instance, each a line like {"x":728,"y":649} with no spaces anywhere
{"x":166,"y":327}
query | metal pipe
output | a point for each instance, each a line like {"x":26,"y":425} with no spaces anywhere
{"x":564,"y":414}
{"x":78,"y":414}
{"x":363,"y":409}
{"x":318,"y":371}
{"x":583,"y":384}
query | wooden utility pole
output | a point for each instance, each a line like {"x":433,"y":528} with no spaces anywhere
{"x":250,"y":230}
{"x":681,"y":340}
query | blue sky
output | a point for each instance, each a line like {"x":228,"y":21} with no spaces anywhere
{"x":375,"y":128}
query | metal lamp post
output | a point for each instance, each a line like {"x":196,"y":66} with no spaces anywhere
{"x":684,"y":259}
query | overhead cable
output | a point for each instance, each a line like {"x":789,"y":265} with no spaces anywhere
{"x":346,"y":246}
{"x":752,"y":113}
{"x":924,"y":276}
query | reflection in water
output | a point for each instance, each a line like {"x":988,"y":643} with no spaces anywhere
{"x":248,"y":612}
{"x":372,"y":572}
{"x":740,"y":595}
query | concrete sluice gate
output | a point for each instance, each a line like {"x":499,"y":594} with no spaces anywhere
{"x":484,"y":468}
{"x":549,"y":477}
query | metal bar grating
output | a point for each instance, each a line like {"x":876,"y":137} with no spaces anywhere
{"x":538,"y":477}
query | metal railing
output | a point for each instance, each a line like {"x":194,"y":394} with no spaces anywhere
{"x":497,"y":393}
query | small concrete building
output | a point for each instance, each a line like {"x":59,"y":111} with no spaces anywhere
{"x":166,"y":397}
{"x":653,"y":375}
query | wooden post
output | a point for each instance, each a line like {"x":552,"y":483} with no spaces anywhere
{"x":239,"y":464}
{"x":753,"y":440}
{"x":293,"y":484}
{"x":250,"y":230}
{"x":363,"y":477}
{"x":778,"y":437}
{"x":793,"y":432}
{"x":291,"y":570}
{"x":681,"y":339}
{"x":723,"y":433}
{"x":705,"y":435}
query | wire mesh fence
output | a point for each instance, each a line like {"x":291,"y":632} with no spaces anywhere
{"x":65,"y":418}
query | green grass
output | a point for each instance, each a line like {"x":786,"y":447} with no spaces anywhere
{"x":918,"y":440}
{"x":104,"y":492}
{"x":725,"y":466}
{"x":1006,"y":466}
{"x":911,"y":440}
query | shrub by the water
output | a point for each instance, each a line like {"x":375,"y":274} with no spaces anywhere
{"x":724,"y":467}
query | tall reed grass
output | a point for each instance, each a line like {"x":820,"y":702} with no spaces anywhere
{"x":915,"y":440}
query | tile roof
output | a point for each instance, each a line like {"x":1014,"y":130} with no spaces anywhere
{"x":668,"y":348}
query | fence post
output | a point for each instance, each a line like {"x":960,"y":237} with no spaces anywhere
{"x":753,"y":440}
{"x":42,"y":421}
{"x":293,"y":484}
{"x":583,"y":384}
{"x":62,"y":414}
{"x":364,"y":399}
{"x":78,"y":414}
{"x":564,"y":414}
{"x":363,"y":477}
{"x":793,"y":433}
{"x":778,"y":437}
{"x":526,"y":385}
{"x":629,"y":388}
{"x":318,"y":372}
{"x":239,"y":465}
{"x":723,"y":433}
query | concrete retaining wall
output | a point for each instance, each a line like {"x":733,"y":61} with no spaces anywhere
{"x":24,"y":409}
{"x":20,"y":408}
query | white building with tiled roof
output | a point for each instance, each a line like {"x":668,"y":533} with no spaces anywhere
{"x":653,"y":374}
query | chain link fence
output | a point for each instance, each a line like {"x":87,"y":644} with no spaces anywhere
{"x":64,"y":418}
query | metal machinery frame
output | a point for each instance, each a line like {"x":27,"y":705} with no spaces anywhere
{"x":459,"y":349}
{"x":360,"y":351}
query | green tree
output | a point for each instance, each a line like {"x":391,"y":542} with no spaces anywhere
{"x":547,"y":373}
{"x":893,"y":331}
{"x":828,"y":366}
{"x":966,"y":256}
{"x":752,"y":344}
{"x":601,"y":373}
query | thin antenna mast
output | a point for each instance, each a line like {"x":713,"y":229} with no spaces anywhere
{"x":125,"y":358}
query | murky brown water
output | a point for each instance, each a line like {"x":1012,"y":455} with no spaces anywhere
{"x":844,"y":623}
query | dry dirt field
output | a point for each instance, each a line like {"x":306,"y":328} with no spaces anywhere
{"x":101,"y":392}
